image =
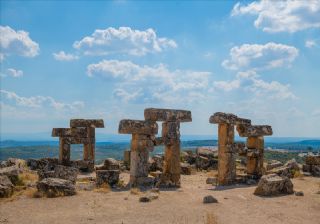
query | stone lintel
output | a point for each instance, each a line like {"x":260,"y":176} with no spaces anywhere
{"x":254,"y":130}
{"x":74,"y":140}
{"x":69,"y":132}
{"x":93,"y":123}
{"x":227,"y":118}
{"x":127,"y":126}
{"x":155,"y":114}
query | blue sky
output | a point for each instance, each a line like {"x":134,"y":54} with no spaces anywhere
{"x":112,"y":59}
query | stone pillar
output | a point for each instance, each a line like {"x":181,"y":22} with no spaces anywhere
{"x":226,"y":162}
{"x":255,"y":159}
{"x":226,"y":147}
{"x":171,"y":166}
{"x":143,"y":135}
{"x":89,"y":148}
{"x":64,"y":151}
{"x":255,"y":145}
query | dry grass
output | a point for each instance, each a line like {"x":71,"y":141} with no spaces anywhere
{"x":211,"y":219}
{"x":135,"y":191}
{"x":104,"y":188}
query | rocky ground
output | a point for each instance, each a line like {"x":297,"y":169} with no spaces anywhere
{"x":236,"y":204}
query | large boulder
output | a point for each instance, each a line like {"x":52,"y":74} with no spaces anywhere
{"x":55,"y":187}
{"x":110,"y":177}
{"x":207,"y":152}
{"x":19,"y":163}
{"x":313,"y":160}
{"x":12,"y":172}
{"x":272,"y":184}
{"x":288,"y":170}
{"x":109,"y":164}
{"x":60,"y":171}
{"x":205,"y":163}
{"x":83,"y":165}
{"x":42,"y":164}
{"x":273,"y":164}
{"x":6,"y":187}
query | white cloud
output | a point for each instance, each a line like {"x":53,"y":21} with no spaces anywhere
{"x":283,"y":15}
{"x":62,"y":56}
{"x":123,"y":41}
{"x":155,"y":83}
{"x":260,"y":57}
{"x":16,"y":43}
{"x":316,"y":112}
{"x":310,"y":43}
{"x":39,"y":101}
{"x":13,"y":73}
{"x":227,"y":86}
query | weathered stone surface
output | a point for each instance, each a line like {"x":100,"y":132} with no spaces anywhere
{"x":111,"y":164}
{"x":155,"y":114}
{"x":207,"y":152}
{"x":66,"y":173}
{"x":156,"y":163}
{"x":83,"y":165}
{"x":205,"y":163}
{"x":6,"y":187}
{"x":42,"y":164}
{"x":43,"y":174}
{"x":170,"y":133}
{"x":315,"y":170}
{"x":69,"y":132}
{"x":254,"y":130}
{"x":273,"y":184}
{"x":12,"y":172}
{"x":19,"y":163}
{"x":185,"y":169}
{"x":110,"y":177}
{"x":273,"y":164}
{"x":225,"y":118}
{"x":312,"y":160}
{"x":209,"y":199}
{"x":93,"y":123}
{"x":127,"y":126}
{"x":55,"y":187}
{"x":226,"y":169}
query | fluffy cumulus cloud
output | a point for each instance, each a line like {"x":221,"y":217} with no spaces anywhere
{"x":250,"y":81}
{"x":62,"y":56}
{"x":151,"y":84}
{"x":123,"y":41}
{"x":16,"y":43}
{"x":11,"y":72}
{"x":11,"y":98}
{"x":283,"y":15}
{"x":260,"y":57}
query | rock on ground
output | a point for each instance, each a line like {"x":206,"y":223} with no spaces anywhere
{"x":110,"y":177}
{"x":55,"y":187}
{"x":12,"y":172}
{"x":6,"y":187}
{"x":209,"y":199}
{"x":272,"y":184}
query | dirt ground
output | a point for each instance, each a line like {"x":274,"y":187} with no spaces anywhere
{"x":236,"y":204}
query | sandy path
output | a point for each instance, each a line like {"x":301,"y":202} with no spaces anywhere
{"x":236,"y":205}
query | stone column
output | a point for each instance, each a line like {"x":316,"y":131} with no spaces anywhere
{"x":255,"y":145}
{"x":226,"y":147}
{"x":89,"y":148}
{"x":143,"y":134}
{"x":226,"y":162}
{"x":64,"y":151}
{"x":171,"y":139}
{"x":171,"y":166}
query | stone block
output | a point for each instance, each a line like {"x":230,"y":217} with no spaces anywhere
{"x":227,"y":118}
{"x":93,"y":123}
{"x":185,"y":169}
{"x":55,"y":187}
{"x":272,"y":184}
{"x":110,"y":177}
{"x":69,"y":132}
{"x":127,"y":126}
{"x":12,"y":172}
{"x":313,"y":160}
{"x":254,"y":130}
{"x":6,"y":187}
{"x":155,"y":114}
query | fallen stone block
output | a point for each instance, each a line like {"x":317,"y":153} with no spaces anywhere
{"x":313,"y":160}
{"x":83,"y":165}
{"x":55,"y":187}
{"x":66,"y":173}
{"x":185,"y":169}
{"x":6,"y":187}
{"x":207,"y":152}
{"x":273,"y":164}
{"x":110,"y":177}
{"x":155,"y":163}
{"x":12,"y":172}
{"x":272,"y":184}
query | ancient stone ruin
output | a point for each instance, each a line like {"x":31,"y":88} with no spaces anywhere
{"x":143,"y":140}
{"x":228,"y":148}
{"x":171,"y":139}
{"x":81,"y":131}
